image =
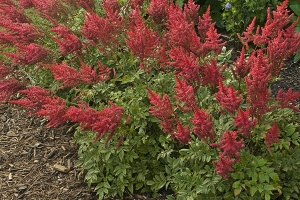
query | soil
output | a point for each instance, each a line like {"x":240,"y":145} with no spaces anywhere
{"x":37,"y":162}
{"x":289,"y":77}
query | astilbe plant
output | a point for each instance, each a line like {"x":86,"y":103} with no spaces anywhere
{"x":158,"y":11}
{"x":204,"y":127}
{"x":67,"y":40}
{"x":100,"y":122}
{"x":228,"y":97}
{"x":230,"y":153}
{"x":28,"y":54}
{"x":103,"y":29}
{"x":272,"y":136}
{"x":41,"y":102}
{"x":245,"y":122}
{"x":191,"y":121}
{"x":142,"y":41}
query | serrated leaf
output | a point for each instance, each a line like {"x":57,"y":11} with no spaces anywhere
{"x":107,"y":156}
{"x":150,"y":182}
{"x":106,"y":185}
{"x":261,"y":162}
{"x":274,"y":176}
{"x":228,"y":195}
{"x":139,"y":186}
{"x":268,"y":187}
{"x":267,"y":196}
{"x":236,"y":184}
{"x":160,"y":185}
{"x":121,"y":155}
{"x":130,"y":187}
{"x":289,"y":129}
{"x":261,"y":177}
{"x":253,"y":190}
{"x":236,"y":192}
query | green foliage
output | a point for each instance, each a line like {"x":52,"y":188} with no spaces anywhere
{"x":295,"y":7}
{"x":239,"y":16}
{"x":255,"y":177}
{"x":112,"y":170}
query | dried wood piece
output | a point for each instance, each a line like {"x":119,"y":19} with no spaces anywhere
{"x":11,"y":134}
{"x":22,"y":187}
{"x":51,"y":154}
{"x":60,"y":168}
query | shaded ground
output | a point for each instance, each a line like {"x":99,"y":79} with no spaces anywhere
{"x":38,"y":163}
{"x":289,"y":77}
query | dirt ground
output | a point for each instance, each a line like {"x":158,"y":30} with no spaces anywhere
{"x":37,"y":162}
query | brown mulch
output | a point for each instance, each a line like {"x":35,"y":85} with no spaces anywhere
{"x":37,"y":162}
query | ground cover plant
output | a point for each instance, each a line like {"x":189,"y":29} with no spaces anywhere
{"x":158,"y":101}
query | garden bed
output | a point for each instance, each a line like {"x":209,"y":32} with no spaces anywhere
{"x":33,"y":157}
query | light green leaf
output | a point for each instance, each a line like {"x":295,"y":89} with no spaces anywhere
{"x":253,"y":190}
{"x":237,"y":191}
{"x":289,"y":129}
{"x":236,"y":184}
{"x":268,"y":187}
{"x":150,"y":182}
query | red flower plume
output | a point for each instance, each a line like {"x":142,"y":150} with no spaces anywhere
{"x":10,"y":11}
{"x":257,"y":85}
{"x":18,"y":33}
{"x":191,"y":11}
{"x":272,"y":136}
{"x":203,"y":125}
{"x":244,"y":122}
{"x":185,"y":93}
{"x":186,"y":66}
{"x":162,"y":109}
{"x":101,"y":122}
{"x":182,"y":134}
{"x":224,"y":166}
{"x":231,"y":152}
{"x":213,"y":41}
{"x":90,"y":76}
{"x":181,"y":33}
{"x":102,"y":29}
{"x":8,"y":88}
{"x":42,"y":102}
{"x":68,"y":42}
{"x":212,"y":73}
{"x":36,"y":97}
{"x":29,"y":54}
{"x":68,"y":75}
{"x":5,"y":70}
{"x":241,"y":67}
{"x":228,"y":97}
{"x":288,"y":99}
{"x":204,"y":24}
{"x":230,"y":146}
{"x":158,"y":11}
{"x":142,"y":40}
